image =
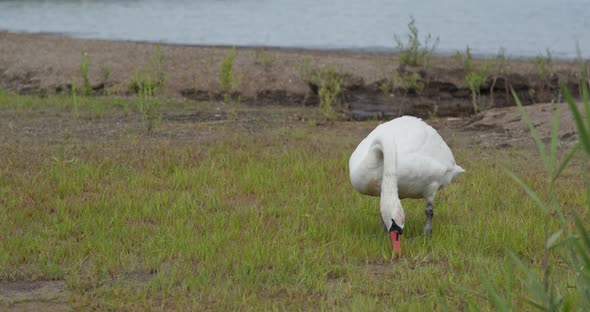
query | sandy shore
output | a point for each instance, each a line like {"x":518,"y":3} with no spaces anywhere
{"x":36,"y":63}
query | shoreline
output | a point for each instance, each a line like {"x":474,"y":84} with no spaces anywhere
{"x":377,"y":50}
{"x":47,"y":63}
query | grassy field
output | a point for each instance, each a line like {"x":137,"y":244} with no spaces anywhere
{"x":250,"y":211}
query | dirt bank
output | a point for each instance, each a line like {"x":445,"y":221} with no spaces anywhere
{"x":374,"y":85}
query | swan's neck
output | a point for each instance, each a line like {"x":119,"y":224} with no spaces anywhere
{"x":391,"y":207}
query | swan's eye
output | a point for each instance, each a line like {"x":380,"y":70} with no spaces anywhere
{"x":395,"y":227}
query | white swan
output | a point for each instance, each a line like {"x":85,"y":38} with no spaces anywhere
{"x":402,"y":158}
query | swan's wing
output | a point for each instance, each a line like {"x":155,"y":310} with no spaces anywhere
{"x":366,"y":168}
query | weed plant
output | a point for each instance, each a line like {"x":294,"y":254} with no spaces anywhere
{"x":148,"y":104}
{"x":328,"y":82}
{"x":330,"y":87}
{"x":263,"y":59}
{"x":501,"y":70}
{"x":151,"y":78}
{"x":106,"y":75}
{"x":147,"y":84}
{"x":84,"y":73}
{"x":229,"y":83}
{"x":415,"y":52}
{"x":75,"y":97}
{"x":475,"y":77}
{"x":544,"y":66}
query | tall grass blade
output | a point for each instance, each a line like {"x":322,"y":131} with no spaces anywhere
{"x":566,"y":161}
{"x":553,"y":239}
{"x":534,"y":132}
{"x":499,"y":303}
{"x":532,"y":282}
{"x":584,"y":81}
{"x":582,"y":130}
{"x":508,"y":284}
{"x":528,"y":190}
{"x":586,"y":97}
{"x":583,"y":231}
{"x":554,"y":139}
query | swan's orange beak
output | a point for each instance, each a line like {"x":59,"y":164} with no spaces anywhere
{"x":396,"y":242}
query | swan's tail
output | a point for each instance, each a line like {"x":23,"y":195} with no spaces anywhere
{"x":451,"y":174}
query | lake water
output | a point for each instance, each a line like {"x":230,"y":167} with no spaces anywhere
{"x":521,"y":27}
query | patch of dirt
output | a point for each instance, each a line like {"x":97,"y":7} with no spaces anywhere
{"x":25,"y":290}
{"x":379,"y":268}
{"x":33,"y":296}
{"x":38,"y":306}
{"x":505,"y":127}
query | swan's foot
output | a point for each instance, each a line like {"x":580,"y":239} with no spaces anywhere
{"x":429,"y":213}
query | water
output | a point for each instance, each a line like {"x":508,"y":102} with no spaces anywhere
{"x":522,"y":28}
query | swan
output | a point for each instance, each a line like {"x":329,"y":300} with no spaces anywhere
{"x":402,"y":158}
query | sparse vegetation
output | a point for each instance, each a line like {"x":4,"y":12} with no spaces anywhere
{"x":147,"y":103}
{"x":75,"y":96}
{"x":151,"y":78}
{"x":408,"y":81}
{"x":327,"y":81}
{"x":476,"y":77}
{"x":415,"y":52}
{"x":305,"y":70}
{"x":264,"y":59}
{"x":387,"y":86}
{"x":161,"y":76}
{"x":411,"y":82}
{"x":229,"y":83}
{"x":466,"y":60}
{"x":84,"y":73}
{"x":147,"y":84}
{"x":548,"y":89}
{"x":106,"y":75}
{"x":330,"y":87}
{"x":544,"y":65}
{"x":501,"y":69}
{"x":475,"y":81}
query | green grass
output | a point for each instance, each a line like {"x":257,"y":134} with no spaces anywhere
{"x":257,"y":220}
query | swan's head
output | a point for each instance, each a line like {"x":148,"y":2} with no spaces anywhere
{"x":393,"y":218}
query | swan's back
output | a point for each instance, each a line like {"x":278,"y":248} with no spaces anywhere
{"x":424,"y":161}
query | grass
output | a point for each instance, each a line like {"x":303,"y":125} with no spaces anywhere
{"x":258,"y":220}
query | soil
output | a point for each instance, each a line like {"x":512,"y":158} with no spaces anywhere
{"x":33,"y":296}
{"x":375,"y":85}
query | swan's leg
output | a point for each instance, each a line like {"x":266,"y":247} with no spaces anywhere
{"x":429,"y":213}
